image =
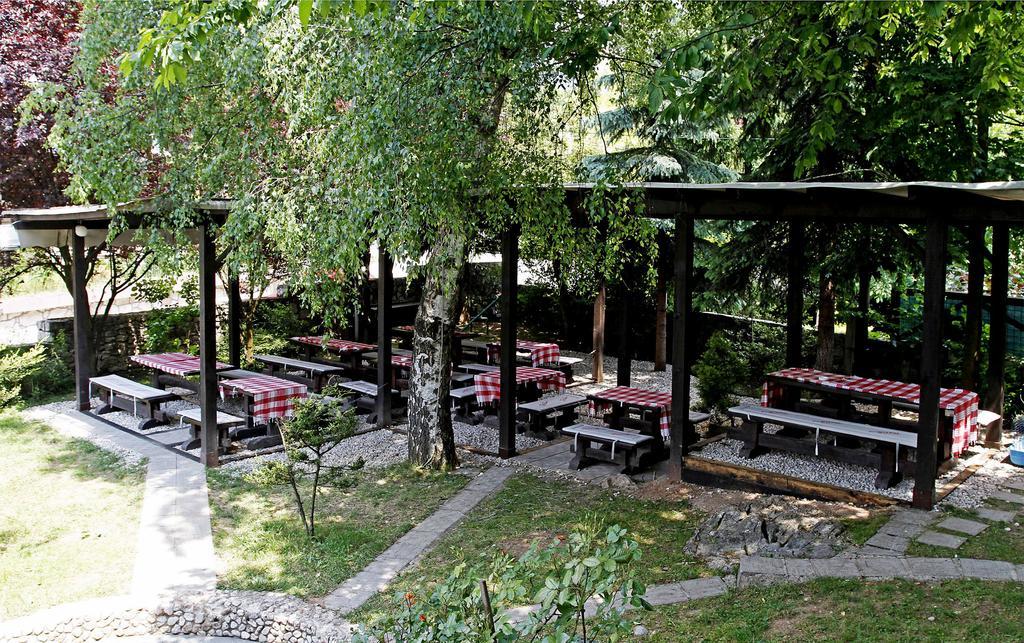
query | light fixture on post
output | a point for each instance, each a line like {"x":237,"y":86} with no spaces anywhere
{"x":81,"y":231}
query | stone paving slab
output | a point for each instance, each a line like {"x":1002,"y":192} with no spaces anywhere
{"x":938,"y":539}
{"x":901,"y":529}
{"x":884,"y":568}
{"x":963,"y":526}
{"x":835,"y":568}
{"x":886,"y":541}
{"x":995,"y":515}
{"x":988,"y":569}
{"x":1007,"y":496}
{"x":1014,"y":484}
{"x":868,"y":550}
{"x":913,"y":517}
{"x":933,"y":568}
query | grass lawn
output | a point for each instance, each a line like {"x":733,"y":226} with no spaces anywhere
{"x":68,"y":521}
{"x":528,"y":509}
{"x":845,"y":610}
{"x":260,"y":538}
{"x":1001,"y":541}
{"x":859,"y":531}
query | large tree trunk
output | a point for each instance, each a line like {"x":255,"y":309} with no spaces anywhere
{"x":431,"y":440}
{"x":826,"y":322}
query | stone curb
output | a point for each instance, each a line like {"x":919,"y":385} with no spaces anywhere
{"x":760,"y":570}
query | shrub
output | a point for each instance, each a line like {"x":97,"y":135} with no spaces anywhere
{"x":54,"y":375}
{"x":17,"y":365}
{"x":472,"y":604}
{"x":720,"y":371}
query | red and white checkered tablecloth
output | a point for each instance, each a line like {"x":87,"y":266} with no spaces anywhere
{"x":401,"y":361}
{"x":541,"y":353}
{"x":603,"y":400}
{"x":960,"y":403}
{"x":342,"y":346}
{"x":488,"y":385}
{"x":180,"y":364}
{"x":272,"y":397}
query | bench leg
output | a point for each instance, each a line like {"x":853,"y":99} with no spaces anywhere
{"x":581,"y":460}
{"x":751,"y":435}
{"x":887,"y":474}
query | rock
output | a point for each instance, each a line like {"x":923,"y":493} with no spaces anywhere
{"x":639,"y":630}
{"x":619,"y":481}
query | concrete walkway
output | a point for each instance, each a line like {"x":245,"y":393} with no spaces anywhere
{"x":175,"y":542}
{"x":376,"y":576}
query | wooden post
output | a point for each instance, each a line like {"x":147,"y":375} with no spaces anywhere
{"x":509,"y":294}
{"x":624,"y":371}
{"x":81,"y":324}
{"x":234,"y":319}
{"x":931,"y":363}
{"x":682,"y":430}
{"x":997,"y":332}
{"x":384,"y":292}
{"x":860,"y":335}
{"x":795,"y":295}
{"x":660,"y":314}
{"x":597,"y":365}
{"x":209,"y":439}
{"x":975,"y":301}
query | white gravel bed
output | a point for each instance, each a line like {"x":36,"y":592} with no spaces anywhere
{"x":377,"y":449}
{"x":484,"y":437}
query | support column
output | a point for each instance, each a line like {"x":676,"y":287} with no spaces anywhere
{"x":597,"y":365}
{"x":975,"y":301}
{"x":860,"y":335}
{"x":795,"y":295}
{"x":81,"y":322}
{"x":234,"y":319}
{"x":209,"y":440}
{"x":509,"y":296}
{"x":931,"y":363}
{"x":384,"y":291}
{"x":660,"y":317}
{"x":682,"y":431}
{"x":624,"y":371}
{"x":996,"y":375}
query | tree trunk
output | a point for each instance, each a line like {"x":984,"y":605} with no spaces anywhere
{"x":969,"y":376}
{"x":826,"y":322}
{"x":431,"y":439}
{"x":660,"y":325}
{"x":597,"y":370}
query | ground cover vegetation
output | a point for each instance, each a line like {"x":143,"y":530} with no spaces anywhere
{"x":76,"y":539}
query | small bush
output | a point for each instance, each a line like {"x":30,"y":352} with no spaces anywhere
{"x":17,"y":365}
{"x":720,"y":372}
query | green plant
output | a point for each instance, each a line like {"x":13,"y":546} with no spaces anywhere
{"x":54,"y":375}
{"x":316,"y":428}
{"x":587,"y":586}
{"x":720,"y":371}
{"x":16,"y":365}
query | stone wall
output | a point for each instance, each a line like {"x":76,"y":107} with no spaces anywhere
{"x":252,"y":616}
{"x":121,"y":337}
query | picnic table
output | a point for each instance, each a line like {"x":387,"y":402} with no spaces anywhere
{"x":488,"y":384}
{"x":316,"y":373}
{"x":179,"y":364}
{"x":959,"y":406}
{"x":539,"y":353}
{"x":266,"y":397}
{"x":343,"y":347}
{"x":654,"y":408}
{"x":405,"y":333}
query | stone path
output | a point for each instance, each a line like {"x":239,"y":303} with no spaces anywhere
{"x":175,"y":543}
{"x":376,"y":576}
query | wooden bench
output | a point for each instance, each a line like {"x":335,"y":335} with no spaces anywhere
{"x":565,"y":365}
{"x":464,"y":404}
{"x":238,"y":373}
{"x":474,"y":348}
{"x":557,"y":410}
{"x":367,"y":398}
{"x":128,"y":395}
{"x":193,"y":416}
{"x":626,"y":443}
{"x":478,"y":368}
{"x":462,"y":380}
{"x":316,"y":375}
{"x":886,"y":456}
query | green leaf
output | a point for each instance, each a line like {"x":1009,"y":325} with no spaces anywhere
{"x":654,"y":99}
{"x":360,"y":7}
{"x":305,"y":9}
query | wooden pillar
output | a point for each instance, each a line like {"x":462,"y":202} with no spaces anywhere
{"x":81,"y":323}
{"x":997,"y":331}
{"x":795,"y":295}
{"x":624,"y":372}
{"x":597,"y":365}
{"x":931,"y":363}
{"x":660,"y":315}
{"x":384,"y":292}
{"x":682,"y":431}
{"x":208,"y":435}
{"x":860,"y":335}
{"x":509,"y":295}
{"x":234,"y":319}
{"x":975,"y":301}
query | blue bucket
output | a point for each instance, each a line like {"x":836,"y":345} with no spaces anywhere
{"x":1017,"y":452}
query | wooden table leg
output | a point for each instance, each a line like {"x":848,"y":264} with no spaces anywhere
{"x":751,"y":434}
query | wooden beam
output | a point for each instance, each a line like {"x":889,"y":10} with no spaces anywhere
{"x":209,"y":437}
{"x":81,"y":324}
{"x":795,"y":295}
{"x":860,"y":335}
{"x":234,"y":318}
{"x":931,"y":363}
{"x":624,"y":370}
{"x":996,"y":375}
{"x":682,"y":430}
{"x":975,"y":301}
{"x":661,"y":316}
{"x":597,"y":364}
{"x":509,"y":335}
{"x":385,"y":286}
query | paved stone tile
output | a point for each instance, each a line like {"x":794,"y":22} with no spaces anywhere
{"x":914,"y":517}
{"x":901,"y":529}
{"x":938,"y":539}
{"x":882,"y":567}
{"x":969,"y":527}
{"x":988,"y":569}
{"x":1014,"y":484}
{"x":868,"y":550}
{"x":886,"y":541}
{"x":799,"y":568}
{"x":1020,"y":573}
{"x":995,"y":515}
{"x":762,"y":565}
{"x":1007,"y":496}
{"x":933,"y":568}
{"x":667,"y":594}
{"x":835,"y":568}
{"x":704,"y":588}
